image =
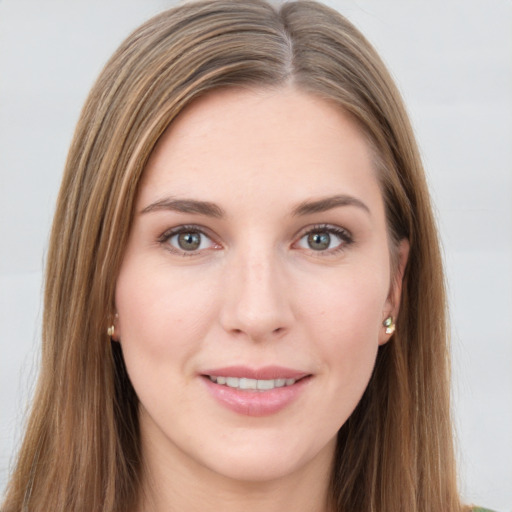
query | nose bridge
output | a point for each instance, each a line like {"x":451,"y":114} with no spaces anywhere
{"x":256,"y":301}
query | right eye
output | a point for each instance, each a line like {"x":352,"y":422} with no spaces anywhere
{"x":187,"y":240}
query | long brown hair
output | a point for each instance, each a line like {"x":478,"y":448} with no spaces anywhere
{"x":81,"y":448}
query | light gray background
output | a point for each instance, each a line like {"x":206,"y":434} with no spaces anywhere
{"x":452,"y":61}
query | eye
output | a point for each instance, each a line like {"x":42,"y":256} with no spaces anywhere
{"x":325,"y":239}
{"x":187,"y":239}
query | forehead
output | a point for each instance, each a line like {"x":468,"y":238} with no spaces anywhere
{"x":274,"y":144}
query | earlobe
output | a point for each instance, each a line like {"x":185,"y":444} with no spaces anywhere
{"x":113,"y":330}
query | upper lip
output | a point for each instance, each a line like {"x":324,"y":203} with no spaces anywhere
{"x":263,"y":373}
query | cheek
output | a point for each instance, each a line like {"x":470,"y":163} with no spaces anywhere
{"x":163,"y":318}
{"x":348,"y":303}
{"x":162,"y":314}
{"x":344,"y":318}
{"x":348,"y":342}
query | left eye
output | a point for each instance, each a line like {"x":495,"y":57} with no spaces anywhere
{"x":324,"y":239}
{"x":189,"y":241}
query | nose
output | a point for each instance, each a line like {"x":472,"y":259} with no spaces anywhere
{"x":256,"y":301}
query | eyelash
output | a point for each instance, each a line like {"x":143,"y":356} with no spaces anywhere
{"x":167,"y":235}
{"x":344,"y":235}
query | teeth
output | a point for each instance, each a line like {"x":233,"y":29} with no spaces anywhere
{"x":252,"y":384}
{"x":247,"y":383}
{"x":232,"y":382}
{"x":266,"y":384}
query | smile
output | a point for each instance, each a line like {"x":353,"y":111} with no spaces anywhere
{"x":256,"y":392}
{"x":252,"y":384}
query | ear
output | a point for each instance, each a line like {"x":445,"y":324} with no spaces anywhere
{"x":392,"y":304}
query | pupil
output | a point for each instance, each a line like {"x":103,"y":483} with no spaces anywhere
{"x":189,"y":241}
{"x":319,"y":241}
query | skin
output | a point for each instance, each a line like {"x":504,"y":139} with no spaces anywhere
{"x":256,"y":292}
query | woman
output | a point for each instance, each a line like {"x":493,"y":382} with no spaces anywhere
{"x":244,"y":300}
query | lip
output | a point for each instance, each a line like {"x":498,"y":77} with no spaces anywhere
{"x":252,"y":402}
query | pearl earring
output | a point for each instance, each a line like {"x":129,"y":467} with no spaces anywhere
{"x":389,"y":324}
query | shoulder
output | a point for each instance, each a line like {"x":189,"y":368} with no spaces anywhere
{"x":480,"y":509}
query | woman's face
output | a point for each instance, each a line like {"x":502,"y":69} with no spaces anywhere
{"x":254,"y":285}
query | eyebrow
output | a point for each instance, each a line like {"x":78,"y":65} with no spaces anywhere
{"x":213,"y":210}
{"x":186,"y":206}
{"x":328,"y":203}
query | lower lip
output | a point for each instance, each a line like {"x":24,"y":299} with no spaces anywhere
{"x":256,"y":403}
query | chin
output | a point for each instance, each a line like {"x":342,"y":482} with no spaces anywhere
{"x":266,"y":460}
{"x":257,"y":469}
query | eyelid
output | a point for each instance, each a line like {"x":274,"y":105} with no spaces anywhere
{"x":344,"y":234}
{"x":185,"y":228}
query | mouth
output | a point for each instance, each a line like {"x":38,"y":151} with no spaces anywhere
{"x":260,"y":392}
